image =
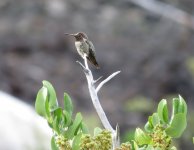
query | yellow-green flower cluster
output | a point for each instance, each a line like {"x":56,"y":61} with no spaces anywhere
{"x":160,"y":138}
{"x":103,"y":141}
{"x":88,"y":143}
{"x":125,"y":146}
{"x":62,"y":143}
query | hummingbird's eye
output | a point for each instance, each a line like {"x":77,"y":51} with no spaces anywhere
{"x":82,"y":35}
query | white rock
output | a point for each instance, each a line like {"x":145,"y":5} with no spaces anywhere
{"x":20,"y":127}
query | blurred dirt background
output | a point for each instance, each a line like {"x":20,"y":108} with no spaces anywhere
{"x":154,"y":54}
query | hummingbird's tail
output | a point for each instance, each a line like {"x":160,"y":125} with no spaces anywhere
{"x":92,"y":60}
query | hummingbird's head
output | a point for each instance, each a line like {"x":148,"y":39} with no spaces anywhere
{"x":78,"y":36}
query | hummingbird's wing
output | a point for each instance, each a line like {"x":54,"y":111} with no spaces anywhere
{"x":91,"y":56}
{"x":91,"y":46}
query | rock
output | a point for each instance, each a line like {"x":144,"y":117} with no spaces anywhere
{"x":20,"y":127}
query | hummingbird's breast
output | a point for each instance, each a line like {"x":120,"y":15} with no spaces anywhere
{"x":82,"y":47}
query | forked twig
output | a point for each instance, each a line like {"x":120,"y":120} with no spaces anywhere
{"x":106,"y":80}
{"x":95,"y":100}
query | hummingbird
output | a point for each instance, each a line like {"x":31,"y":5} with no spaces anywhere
{"x":85,"y":47}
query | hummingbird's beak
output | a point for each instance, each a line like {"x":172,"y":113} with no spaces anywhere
{"x":69,"y":34}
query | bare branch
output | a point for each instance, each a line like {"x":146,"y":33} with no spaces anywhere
{"x":167,"y":11}
{"x":96,"y":102}
{"x":85,"y":61}
{"x":106,"y":80}
{"x":83,"y":67}
{"x":117,"y":136}
{"x":98,"y":79}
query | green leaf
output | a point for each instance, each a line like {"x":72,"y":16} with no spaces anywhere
{"x":84,"y":128}
{"x":76,"y":142}
{"x":182,"y":106}
{"x":40,"y":102}
{"x":155,"y":119}
{"x":53,"y":144}
{"x":175,"y":106}
{"x":47,"y":110}
{"x":74,"y":127}
{"x":58,"y":117}
{"x":177,"y":125}
{"x":156,"y":148}
{"x":150,"y":147}
{"x":58,"y":113}
{"x":179,"y":106}
{"x":135,"y":145}
{"x":68,"y":119}
{"x":141,"y":137}
{"x":147,"y":127}
{"x":68,"y":104}
{"x":163,"y":111}
{"x":150,"y":120}
{"x":143,"y":148}
{"x":97,"y":130}
{"x":53,"y":103}
{"x":56,"y":125}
